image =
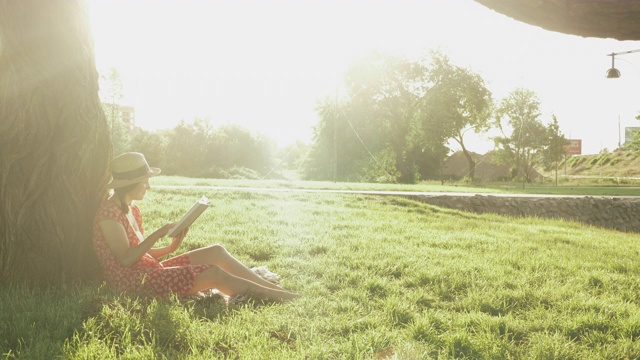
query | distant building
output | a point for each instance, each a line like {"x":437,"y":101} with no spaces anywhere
{"x":126,"y":115}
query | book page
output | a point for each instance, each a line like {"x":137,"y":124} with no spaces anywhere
{"x":190,"y":216}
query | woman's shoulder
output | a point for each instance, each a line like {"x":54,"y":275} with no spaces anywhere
{"x":109,"y":211}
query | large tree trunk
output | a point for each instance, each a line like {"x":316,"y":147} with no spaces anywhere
{"x":54,"y":143}
{"x":616,"y":19}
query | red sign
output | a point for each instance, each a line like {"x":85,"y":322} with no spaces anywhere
{"x":574,"y":147}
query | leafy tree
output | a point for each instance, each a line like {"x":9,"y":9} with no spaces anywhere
{"x":111,"y":94}
{"x":386,"y":89}
{"x":377,"y":117}
{"x":399,"y":110}
{"x":519,"y":113}
{"x":54,"y":142}
{"x":338,"y":143}
{"x":555,"y":149}
{"x":198,"y":149}
{"x":292,"y":157}
{"x":457,"y":102}
{"x":235,"y":146}
{"x":188,"y":148}
{"x":153,"y":144}
{"x":634,"y":144}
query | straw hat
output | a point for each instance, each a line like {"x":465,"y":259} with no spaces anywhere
{"x":130,"y":168}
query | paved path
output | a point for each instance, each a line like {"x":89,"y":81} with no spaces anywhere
{"x":378,"y":192}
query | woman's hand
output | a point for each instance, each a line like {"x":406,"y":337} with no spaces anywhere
{"x":163,"y":231}
{"x":176,"y":241}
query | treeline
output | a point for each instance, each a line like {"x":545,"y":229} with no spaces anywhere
{"x":199,"y":149}
{"x":394,"y":122}
{"x":398,"y":117}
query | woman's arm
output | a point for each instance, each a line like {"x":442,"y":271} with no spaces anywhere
{"x":116,"y":237}
{"x":166,"y":250}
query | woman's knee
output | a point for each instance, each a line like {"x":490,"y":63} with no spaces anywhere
{"x":217,"y":251}
{"x":214,"y":254}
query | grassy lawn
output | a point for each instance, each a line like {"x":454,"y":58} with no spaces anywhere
{"x":380,"y":277}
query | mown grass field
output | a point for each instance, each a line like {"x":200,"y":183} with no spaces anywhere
{"x":381,"y":277}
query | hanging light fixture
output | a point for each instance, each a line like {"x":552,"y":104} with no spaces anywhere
{"x":614,"y":73}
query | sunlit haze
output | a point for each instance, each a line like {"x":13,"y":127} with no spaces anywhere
{"x":264,"y":64}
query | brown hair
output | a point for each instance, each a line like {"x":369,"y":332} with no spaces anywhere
{"x":121,"y":192}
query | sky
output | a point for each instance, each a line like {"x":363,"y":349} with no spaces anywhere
{"x":264,"y":64}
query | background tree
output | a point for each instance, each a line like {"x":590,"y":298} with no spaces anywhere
{"x":111,"y":95}
{"x":293,"y":156}
{"x":456,"y":102}
{"x":385,"y":92}
{"x":199,"y":149}
{"x":519,"y":113}
{"x":154,"y":146}
{"x":396,"y":119}
{"x":373,"y":129}
{"x":337,"y":151}
{"x":237,"y":147}
{"x":54,"y":143}
{"x":634,"y":144}
{"x":188,"y":148}
{"x":555,"y":149}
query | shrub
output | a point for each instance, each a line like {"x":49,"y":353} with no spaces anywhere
{"x":243,"y":173}
{"x":380,"y":169}
{"x":575,"y":161}
{"x":603,"y":160}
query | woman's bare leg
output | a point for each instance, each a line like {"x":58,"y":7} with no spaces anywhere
{"x":217,"y":278}
{"x":218,"y":255}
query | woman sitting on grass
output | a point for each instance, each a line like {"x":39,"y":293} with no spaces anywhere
{"x":131,"y":263}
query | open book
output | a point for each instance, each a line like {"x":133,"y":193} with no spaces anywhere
{"x":190,"y":216}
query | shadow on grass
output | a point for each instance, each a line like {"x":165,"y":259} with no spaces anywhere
{"x":93,"y":320}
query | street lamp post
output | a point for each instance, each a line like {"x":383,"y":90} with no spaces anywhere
{"x":614,"y":73}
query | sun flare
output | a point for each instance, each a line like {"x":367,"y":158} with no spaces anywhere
{"x":264,"y":65}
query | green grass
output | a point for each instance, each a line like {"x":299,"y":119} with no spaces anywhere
{"x":380,"y":277}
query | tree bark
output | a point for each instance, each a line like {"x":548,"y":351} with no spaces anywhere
{"x":472,"y":163}
{"x":616,"y":19}
{"x":54,"y":142}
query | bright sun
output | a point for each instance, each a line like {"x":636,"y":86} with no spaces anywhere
{"x":265,"y":64}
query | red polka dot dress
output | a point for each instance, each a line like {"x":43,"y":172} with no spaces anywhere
{"x":147,"y":276}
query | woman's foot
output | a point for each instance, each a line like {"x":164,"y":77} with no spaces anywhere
{"x":281,"y":297}
{"x":275,"y":295}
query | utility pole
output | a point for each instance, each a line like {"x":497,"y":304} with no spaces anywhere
{"x":335,"y":137}
{"x":619,"y":145}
